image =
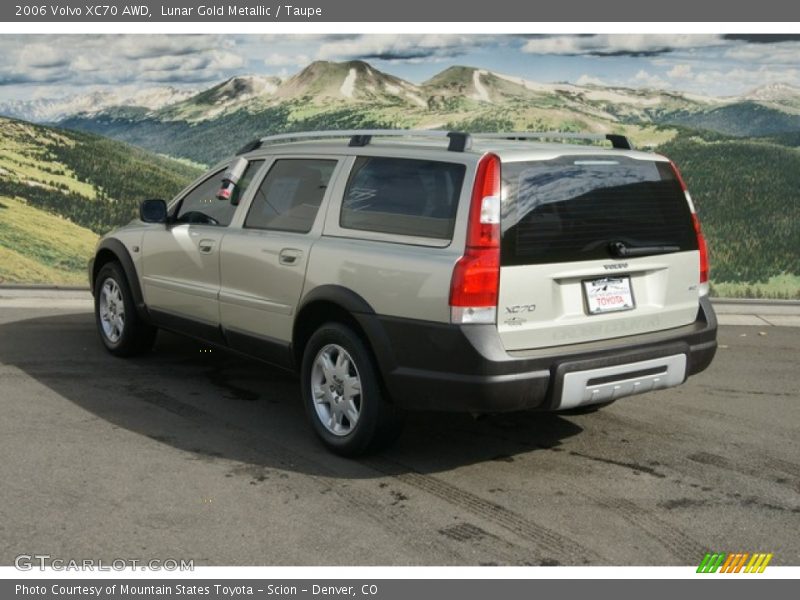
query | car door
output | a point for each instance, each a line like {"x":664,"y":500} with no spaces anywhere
{"x":263,"y":263}
{"x":180,"y":264}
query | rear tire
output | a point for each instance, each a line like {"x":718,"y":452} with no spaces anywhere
{"x":121,"y":329}
{"x":343,"y":396}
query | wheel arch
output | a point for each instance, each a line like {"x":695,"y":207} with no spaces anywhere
{"x":112,"y":250}
{"x":335,"y":303}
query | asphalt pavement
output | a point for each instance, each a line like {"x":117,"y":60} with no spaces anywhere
{"x":194,"y":453}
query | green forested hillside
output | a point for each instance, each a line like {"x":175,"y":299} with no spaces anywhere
{"x":211,"y":140}
{"x":741,"y":119}
{"x":746,"y":192}
{"x":59,"y":189}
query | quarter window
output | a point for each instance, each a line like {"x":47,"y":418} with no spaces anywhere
{"x":403,"y":196}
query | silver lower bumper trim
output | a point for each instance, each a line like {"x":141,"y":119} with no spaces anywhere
{"x":605,"y":384}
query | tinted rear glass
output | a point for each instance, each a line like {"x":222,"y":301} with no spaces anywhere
{"x":571,"y":208}
{"x":403,"y":196}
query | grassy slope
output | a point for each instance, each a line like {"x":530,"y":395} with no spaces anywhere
{"x":25,"y":157}
{"x":60,"y":189}
{"x":37,"y":247}
{"x":785,"y":287}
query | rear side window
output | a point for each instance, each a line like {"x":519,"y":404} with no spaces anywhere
{"x":403,"y":196}
{"x":572,"y":208}
{"x":289,"y":197}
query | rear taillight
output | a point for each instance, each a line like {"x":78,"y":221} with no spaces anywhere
{"x":701,"y":246}
{"x":701,"y":240}
{"x":476,"y":276}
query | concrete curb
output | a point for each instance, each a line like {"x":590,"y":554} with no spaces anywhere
{"x":755,"y":301}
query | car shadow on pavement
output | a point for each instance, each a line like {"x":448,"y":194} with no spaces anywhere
{"x":222,"y":406}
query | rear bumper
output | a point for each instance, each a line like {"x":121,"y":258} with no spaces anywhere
{"x":435,"y":366}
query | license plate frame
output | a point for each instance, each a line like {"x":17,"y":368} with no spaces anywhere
{"x":608,"y":295}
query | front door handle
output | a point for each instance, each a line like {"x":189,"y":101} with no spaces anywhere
{"x":206,"y":246}
{"x":290,"y":256}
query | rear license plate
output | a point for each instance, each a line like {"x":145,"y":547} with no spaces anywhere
{"x":609,"y":294}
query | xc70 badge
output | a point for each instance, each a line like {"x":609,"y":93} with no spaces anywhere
{"x":520,"y":308}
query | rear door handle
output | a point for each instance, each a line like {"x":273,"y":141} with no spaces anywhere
{"x":206,"y":246}
{"x":290,"y":256}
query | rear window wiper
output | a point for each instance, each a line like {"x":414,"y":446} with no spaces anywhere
{"x":622,"y":250}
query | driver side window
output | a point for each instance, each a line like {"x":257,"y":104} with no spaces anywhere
{"x":201,"y":205}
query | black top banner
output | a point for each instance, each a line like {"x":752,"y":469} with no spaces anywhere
{"x":463,"y":11}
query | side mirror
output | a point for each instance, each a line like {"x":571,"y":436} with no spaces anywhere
{"x":153,"y":211}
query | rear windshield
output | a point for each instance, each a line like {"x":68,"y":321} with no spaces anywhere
{"x":403,"y":196}
{"x":573,"y":207}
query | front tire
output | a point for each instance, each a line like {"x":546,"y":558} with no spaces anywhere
{"x":121,"y":329}
{"x":342,"y":394}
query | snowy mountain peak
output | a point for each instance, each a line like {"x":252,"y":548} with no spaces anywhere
{"x":238,"y":89}
{"x":55,"y":109}
{"x":348,"y":81}
{"x":773,"y":92}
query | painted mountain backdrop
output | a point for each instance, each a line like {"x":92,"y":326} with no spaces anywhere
{"x":739,"y":155}
{"x":326,"y":95}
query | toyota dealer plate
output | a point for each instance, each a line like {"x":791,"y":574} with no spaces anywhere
{"x":609,"y":294}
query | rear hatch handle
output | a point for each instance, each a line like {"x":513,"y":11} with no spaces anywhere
{"x":622,"y":250}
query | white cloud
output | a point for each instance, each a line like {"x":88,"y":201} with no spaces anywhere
{"x":784,"y":53}
{"x":114,"y":60}
{"x":616,"y":44}
{"x":590,"y":80}
{"x":680,"y":71}
{"x":277,"y":59}
{"x":400,"y":47}
{"x":43,"y":56}
{"x":137,"y":46}
{"x":645,"y":79}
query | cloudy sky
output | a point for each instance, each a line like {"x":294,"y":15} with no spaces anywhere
{"x":40,"y":66}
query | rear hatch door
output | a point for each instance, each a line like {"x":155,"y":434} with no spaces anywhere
{"x":594,"y":247}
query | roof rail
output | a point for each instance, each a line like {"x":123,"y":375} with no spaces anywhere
{"x":617,"y":141}
{"x":459,"y":142}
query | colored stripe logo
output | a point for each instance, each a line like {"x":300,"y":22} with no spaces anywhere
{"x":735,"y":562}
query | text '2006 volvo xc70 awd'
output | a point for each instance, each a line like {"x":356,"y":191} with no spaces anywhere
{"x":424,"y":270}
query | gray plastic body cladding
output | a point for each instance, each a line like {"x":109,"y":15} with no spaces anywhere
{"x":433,"y":366}
{"x":122,"y":255}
